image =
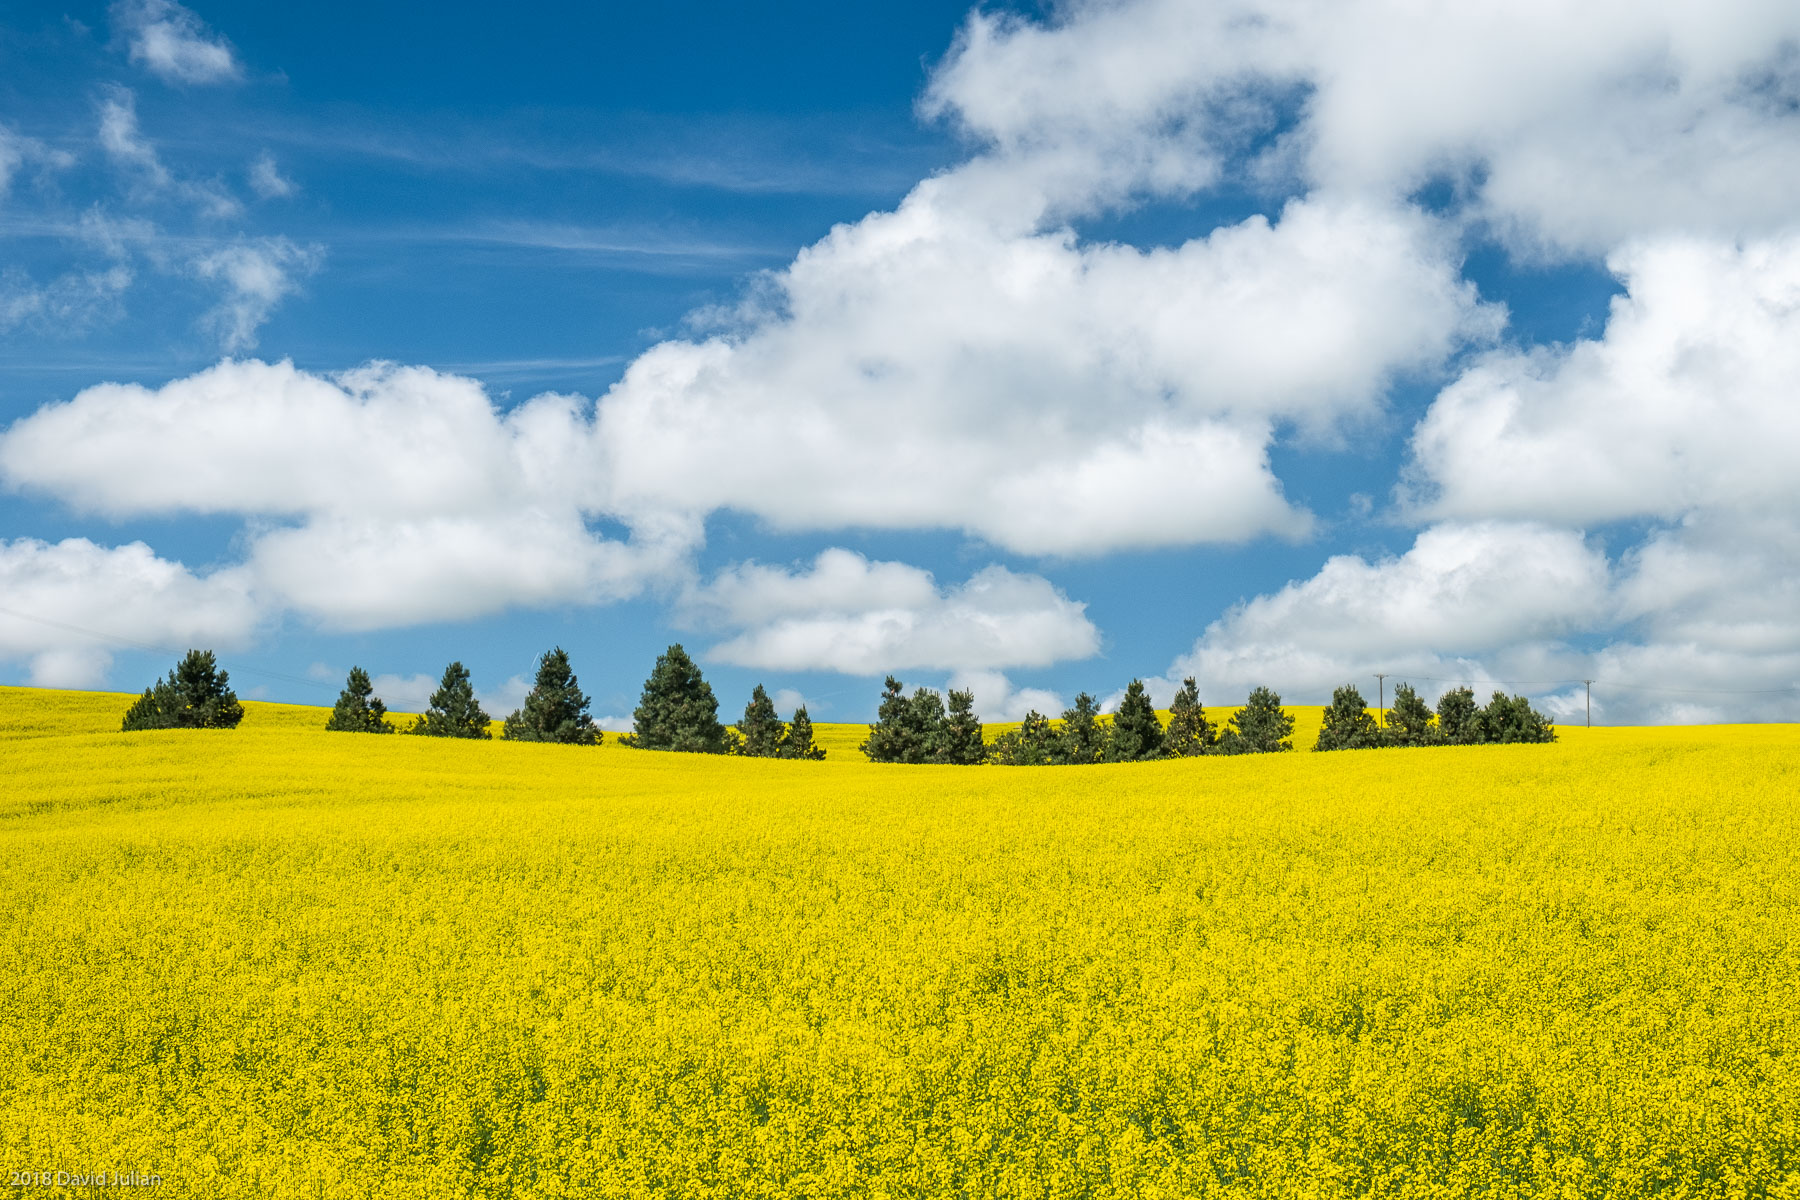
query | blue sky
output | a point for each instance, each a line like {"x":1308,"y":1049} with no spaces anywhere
{"x":1027,"y":350}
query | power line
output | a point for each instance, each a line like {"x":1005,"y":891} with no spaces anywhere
{"x":153,"y":648}
{"x":1633,"y":687}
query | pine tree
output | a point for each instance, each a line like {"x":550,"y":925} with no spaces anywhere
{"x":1348,"y":723}
{"x":1260,"y":727}
{"x":195,"y":695}
{"x":761,"y":728}
{"x":1514,"y":720}
{"x":925,"y":722}
{"x":556,"y":710}
{"x":888,"y":735}
{"x":1409,"y":721}
{"x":798,"y":741}
{"x":907,"y":730}
{"x":1030,"y":745}
{"x":1189,"y":733}
{"x":1137,"y":735}
{"x":453,"y":711}
{"x":677,"y":709}
{"x":1082,"y":739}
{"x":962,"y":744}
{"x":358,"y":709}
{"x":1459,"y":720}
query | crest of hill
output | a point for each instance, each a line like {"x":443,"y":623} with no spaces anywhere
{"x":50,"y":712}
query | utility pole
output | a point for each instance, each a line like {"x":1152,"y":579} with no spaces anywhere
{"x":1380,"y":698}
{"x":1589,"y":684}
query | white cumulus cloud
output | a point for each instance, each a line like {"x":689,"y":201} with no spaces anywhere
{"x":857,"y":617}
{"x":65,"y":607}
{"x":923,"y":369}
{"x":998,"y":700}
{"x":392,"y":496}
{"x":1461,"y":592}
{"x":1571,"y":129}
{"x":1688,"y":400}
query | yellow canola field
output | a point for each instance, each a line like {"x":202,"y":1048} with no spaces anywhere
{"x":279,"y":962}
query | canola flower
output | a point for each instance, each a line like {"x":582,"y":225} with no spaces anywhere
{"x":280,"y":962}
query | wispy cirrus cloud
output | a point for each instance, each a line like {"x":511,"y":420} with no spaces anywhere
{"x":254,"y":276}
{"x":126,"y":146}
{"x":171,"y":42}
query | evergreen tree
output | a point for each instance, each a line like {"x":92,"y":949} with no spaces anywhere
{"x":1409,"y":721}
{"x":1260,"y":727}
{"x":1030,"y":745}
{"x":1137,"y":735}
{"x":888,"y":735}
{"x":1082,"y":739}
{"x":555,"y":710}
{"x":677,"y":709}
{"x":907,"y":730}
{"x":925,"y":723}
{"x":798,"y":741}
{"x":1459,"y":720}
{"x":1348,"y":723}
{"x":962,"y":744}
{"x":358,"y":709}
{"x":1514,"y":720}
{"x":195,"y":695}
{"x":761,"y":728}
{"x":453,"y":711}
{"x":1189,"y":732}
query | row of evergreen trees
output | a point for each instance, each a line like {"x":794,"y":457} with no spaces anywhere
{"x":677,"y":711}
{"x":921,"y":729}
{"x":555,"y":710}
{"x":1458,"y":721}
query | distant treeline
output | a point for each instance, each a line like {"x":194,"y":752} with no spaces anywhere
{"x":1458,"y":721}
{"x":920,"y":729}
{"x":678,"y":711}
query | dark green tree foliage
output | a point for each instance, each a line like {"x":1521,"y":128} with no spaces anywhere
{"x":1189,"y":732}
{"x":1030,"y":745}
{"x":908,"y":730}
{"x":358,"y":709}
{"x":556,"y":710}
{"x":887,"y":736}
{"x":1260,"y":727}
{"x":1514,"y":720}
{"x":195,"y":695}
{"x":1459,"y":720}
{"x":677,"y":709}
{"x":1082,"y":738}
{"x":798,"y":741}
{"x":453,"y":711}
{"x":760,"y":729}
{"x":925,"y":719}
{"x":1409,"y":721}
{"x":961,"y":743}
{"x":1137,"y":735}
{"x":1349,"y":725}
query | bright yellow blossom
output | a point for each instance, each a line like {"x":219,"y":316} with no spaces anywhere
{"x":280,"y":962}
